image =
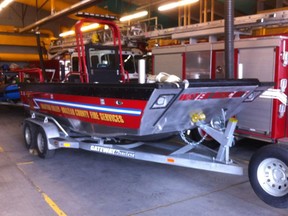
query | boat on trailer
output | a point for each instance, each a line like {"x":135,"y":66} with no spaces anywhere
{"x":100,"y":110}
{"x":100,"y":101}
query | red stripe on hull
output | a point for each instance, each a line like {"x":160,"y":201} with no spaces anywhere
{"x":108,"y":118}
{"x":212,"y":95}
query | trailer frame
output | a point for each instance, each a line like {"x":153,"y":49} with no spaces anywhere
{"x":190,"y":155}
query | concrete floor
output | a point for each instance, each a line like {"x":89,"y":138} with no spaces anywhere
{"x":77,"y":182}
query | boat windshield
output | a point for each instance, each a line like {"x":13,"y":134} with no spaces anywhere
{"x":106,"y":59}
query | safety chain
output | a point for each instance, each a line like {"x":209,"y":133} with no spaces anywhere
{"x":193,"y":143}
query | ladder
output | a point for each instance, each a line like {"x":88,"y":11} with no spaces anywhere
{"x":139,"y":32}
{"x":242,"y":25}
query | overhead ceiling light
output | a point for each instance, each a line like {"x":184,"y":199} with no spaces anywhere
{"x":5,"y":3}
{"x":89,"y":27}
{"x":67,"y":33}
{"x":133,"y":16}
{"x":83,"y":29}
{"x":176,"y":4}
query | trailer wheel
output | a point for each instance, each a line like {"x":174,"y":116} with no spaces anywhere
{"x":29,"y":135}
{"x":42,"y":145}
{"x":197,"y":134}
{"x":268,"y":174}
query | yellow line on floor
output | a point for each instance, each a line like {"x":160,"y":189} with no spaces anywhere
{"x":25,"y":163}
{"x":53,"y":205}
{"x":47,"y":199}
{"x":1,"y":149}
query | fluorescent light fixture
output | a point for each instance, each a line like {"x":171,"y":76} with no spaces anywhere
{"x":133,"y":16}
{"x":5,"y":3}
{"x":89,"y":27}
{"x":176,"y":4}
{"x":83,"y":29}
{"x":67,"y":33}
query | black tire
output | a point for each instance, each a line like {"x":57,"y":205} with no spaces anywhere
{"x":42,"y":145}
{"x":29,"y":135}
{"x":268,"y":174}
{"x":196,"y":134}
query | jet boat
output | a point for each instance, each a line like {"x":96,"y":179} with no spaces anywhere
{"x":138,"y":111}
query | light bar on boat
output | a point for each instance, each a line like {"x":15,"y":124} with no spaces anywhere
{"x":98,"y":16}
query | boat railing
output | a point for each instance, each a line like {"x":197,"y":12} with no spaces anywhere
{"x":81,"y":46}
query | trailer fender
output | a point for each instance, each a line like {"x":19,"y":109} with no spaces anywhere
{"x":50,"y":129}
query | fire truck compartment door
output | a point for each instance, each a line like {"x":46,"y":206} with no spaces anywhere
{"x":169,"y":63}
{"x":257,"y":63}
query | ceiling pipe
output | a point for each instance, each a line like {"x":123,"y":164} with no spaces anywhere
{"x":72,"y":9}
{"x":52,"y":2}
{"x":229,"y":39}
{"x":14,"y":57}
{"x":40,"y":53}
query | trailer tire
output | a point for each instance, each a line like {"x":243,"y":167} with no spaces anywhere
{"x":196,"y":134}
{"x":42,"y":144}
{"x":29,"y":135}
{"x":268,"y":175}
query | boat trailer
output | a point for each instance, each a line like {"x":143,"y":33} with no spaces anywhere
{"x":268,"y":170}
{"x":49,"y":135}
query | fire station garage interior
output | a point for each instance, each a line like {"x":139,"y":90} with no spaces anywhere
{"x":141,"y":107}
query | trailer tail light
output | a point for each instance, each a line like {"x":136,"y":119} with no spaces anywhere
{"x":66,"y":145}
